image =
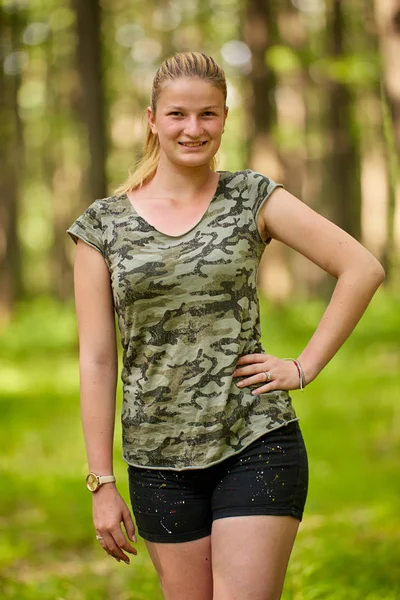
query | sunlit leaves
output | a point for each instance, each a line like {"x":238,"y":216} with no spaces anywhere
{"x":61,"y":18}
{"x":282,"y":59}
{"x":32,"y":94}
{"x":354,"y":69}
{"x":350,"y":69}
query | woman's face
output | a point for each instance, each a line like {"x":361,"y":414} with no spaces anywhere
{"x":189,"y":121}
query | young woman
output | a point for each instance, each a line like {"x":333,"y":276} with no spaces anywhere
{"x":217,"y":465}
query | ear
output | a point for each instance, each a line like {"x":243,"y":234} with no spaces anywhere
{"x":151,"y":119}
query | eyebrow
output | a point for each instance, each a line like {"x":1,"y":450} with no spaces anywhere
{"x":173,"y":106}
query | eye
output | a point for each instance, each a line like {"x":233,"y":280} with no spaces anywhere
{"x":209,"y":113}
{"x":175,"y":113}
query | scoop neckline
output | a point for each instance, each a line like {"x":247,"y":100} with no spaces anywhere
{"x":134,"y":211}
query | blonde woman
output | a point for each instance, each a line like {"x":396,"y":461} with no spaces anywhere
{"x":217,"y":465}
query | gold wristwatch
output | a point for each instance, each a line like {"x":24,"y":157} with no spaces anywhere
{"x":93,"y":481}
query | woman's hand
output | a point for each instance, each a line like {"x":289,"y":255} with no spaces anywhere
{"x":109,"y":511}
{"x":283,"y":374}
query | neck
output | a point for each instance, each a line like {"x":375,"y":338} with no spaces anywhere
{"x":181,"y":182}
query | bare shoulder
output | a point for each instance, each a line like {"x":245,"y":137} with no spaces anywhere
{"x":289,"y":220}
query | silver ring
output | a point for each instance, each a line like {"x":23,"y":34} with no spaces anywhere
{"x":268,"y":375}
{"x":99,"y":537}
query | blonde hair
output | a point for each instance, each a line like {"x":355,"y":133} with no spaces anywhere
{"x":182,"y":64}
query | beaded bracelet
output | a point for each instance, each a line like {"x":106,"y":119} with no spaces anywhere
{"x":302,"y":379}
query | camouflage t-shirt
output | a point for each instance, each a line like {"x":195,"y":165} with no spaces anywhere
{"x":187,"y":309}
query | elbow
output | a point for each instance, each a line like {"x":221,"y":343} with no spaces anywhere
{"x":379,"y":273}
{"x":376,"y":273}
{"x":100,"y":360}
{"x":382,"y":274}
{"x":368,"y":272}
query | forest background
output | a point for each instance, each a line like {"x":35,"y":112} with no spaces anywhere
{"x":314,"y":97}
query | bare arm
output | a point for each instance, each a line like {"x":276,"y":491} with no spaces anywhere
{"x":358,"y":275}
{"x":98,"y":365}
{"x":98,"y":360}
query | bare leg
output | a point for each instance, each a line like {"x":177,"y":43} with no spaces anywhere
{"x":250,"y":556}
{"x":184,"y":569}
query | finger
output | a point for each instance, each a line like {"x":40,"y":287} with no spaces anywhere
{"x":252,"y":358}
{"x":269,"y":387}
{"x":114,"y":549}
{"x":253,"y":366}
{"x":104,"y":545}
{"x":257,"y":378}
{"x":253,"y":369}
{"x":122,"y":542}
{"x":129,"y":526}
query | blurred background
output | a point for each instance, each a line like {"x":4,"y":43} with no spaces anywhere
{"x":314,"y":97}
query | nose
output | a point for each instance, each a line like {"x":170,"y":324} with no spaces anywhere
{"x":193,"y":127}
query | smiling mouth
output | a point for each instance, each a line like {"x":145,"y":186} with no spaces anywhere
{"x":192,"y":144}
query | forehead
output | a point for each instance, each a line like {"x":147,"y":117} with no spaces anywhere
{"x":190,"y":92}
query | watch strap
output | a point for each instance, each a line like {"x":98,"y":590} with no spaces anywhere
{"x":106,"y":479}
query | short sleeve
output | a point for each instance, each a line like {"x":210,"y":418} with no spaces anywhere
{"x":88,"y":227}
{"x":261,"y":187}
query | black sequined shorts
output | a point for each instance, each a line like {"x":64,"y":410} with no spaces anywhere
{"x":268,"y":477}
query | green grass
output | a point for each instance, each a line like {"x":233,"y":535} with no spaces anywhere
{"x":348,"y":546}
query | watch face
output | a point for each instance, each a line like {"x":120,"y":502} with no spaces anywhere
{"x":92,"y":482}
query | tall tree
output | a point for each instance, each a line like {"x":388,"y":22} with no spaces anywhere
{"x":388,"y":21}
{"x":11,"y":157}
{"x":60,"y":163}
{"x":91,"y":101}
{"x":343,"y":164}
{"x":291,"y":104}
{"x":259,"y":33}
{"x":298,"y":124}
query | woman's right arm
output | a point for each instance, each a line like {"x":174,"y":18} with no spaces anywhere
{"x":98,"y":366}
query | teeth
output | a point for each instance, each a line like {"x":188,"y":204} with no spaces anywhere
{"x":193,"y":144}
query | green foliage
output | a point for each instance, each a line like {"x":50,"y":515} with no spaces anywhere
{"x":40,"y":325}
{"x":352,"y":69}
{"x":282,"y":59}
{"x":347,"y":547}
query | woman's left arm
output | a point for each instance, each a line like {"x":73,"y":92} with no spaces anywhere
{"x":358,"y":275}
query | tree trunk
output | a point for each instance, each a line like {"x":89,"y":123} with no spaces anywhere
{"x":274,"y":278}
{"x":297,"y":121}
{"x":60,"y":168}
{"x":387,"y":14}
{"x":11,"y":157}
{"x":261,"y":110}
{"x":388,"y":19}
{"x":343,"y":162}
{"x":91,"y":101}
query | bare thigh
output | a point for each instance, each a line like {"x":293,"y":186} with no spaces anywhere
{"x":184,"y":569}
{"x":250,"y":556}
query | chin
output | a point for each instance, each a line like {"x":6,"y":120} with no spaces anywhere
{"x":200,"y":158}
{"x":193,"y":161}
